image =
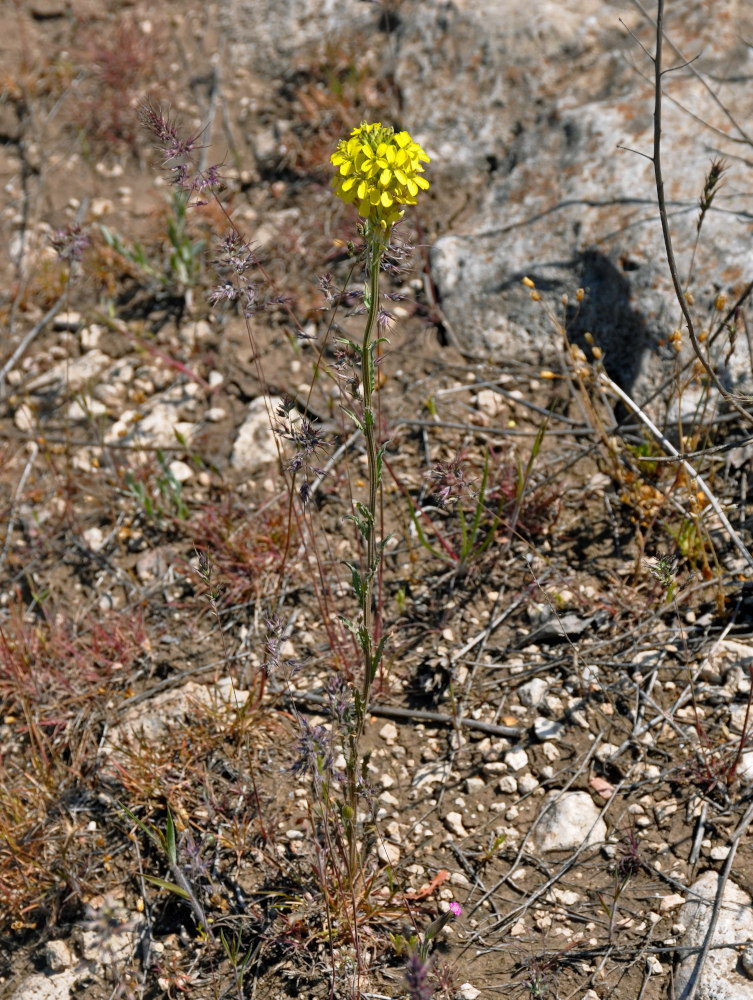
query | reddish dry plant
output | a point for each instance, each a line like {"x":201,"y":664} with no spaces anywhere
{"x":245,"y":547}
{"x":54,"y":682}
{"x":121,"y":60}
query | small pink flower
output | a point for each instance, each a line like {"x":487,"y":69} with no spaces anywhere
{"x":455,"y":908}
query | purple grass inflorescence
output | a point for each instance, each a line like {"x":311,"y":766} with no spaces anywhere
{"x":417,"y":978}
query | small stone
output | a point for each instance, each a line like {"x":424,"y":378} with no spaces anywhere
{"x":86,"y":410}
{"x":99,"y":208}
{"x":474,"y":785}
{"x":547,"y":729}
{"x":215,"y":414}
{"x":508,"y":785}
{"x":388,"y":732}
{"x":745,"y":770}
{"x":454,"y":823}
{"x":24,"y":418}
{"x":57,"y":956}
{"x":516,"y":760}
{"x":294,"y":834}
{"x":737,"y":718}
{"x":468,"y":992}
{"x":532,"y":693}
{"x":568,"y":897}
{"x":67,"y":320}
{"x":181,"y":471}
{"x":388,"y":799}
{"x":671,"y":901}
{"x":94,"y":538}
{"x":568,"y":821}
{"x":91,"y":336}
{"x":527,"y":784}
{"x":255,"y":444}
{"x":495,"y":767}
{"x":388,"y":853}
{"x":719,"y":853}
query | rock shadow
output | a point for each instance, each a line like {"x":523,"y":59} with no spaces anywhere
{"x":609,"y":314}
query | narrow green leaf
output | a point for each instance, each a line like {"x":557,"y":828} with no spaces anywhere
{"x":162,"y":883}
{"x":354,"y":418}
{"x":172,"y":850}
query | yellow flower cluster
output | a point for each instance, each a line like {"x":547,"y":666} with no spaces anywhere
{"x":381,"y":170}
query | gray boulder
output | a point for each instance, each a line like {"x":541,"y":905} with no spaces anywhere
{"x":522,"y":108}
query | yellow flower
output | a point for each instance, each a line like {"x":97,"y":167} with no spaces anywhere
{"x":381,"y":170}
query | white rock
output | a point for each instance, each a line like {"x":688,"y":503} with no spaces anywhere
{"x":489,"y":402}
{"x":745,"y":769}
{"x":569,"y":821}
{"x":432,"y":773}
{"x":150,"y":720}
{"x":516,"y":760}
{"x":671,"y":901}
{"x":24,"y":418}
{"x":72,"y":374}
{"x":550,"y":752}
{"x":568,"y":897}
{"x":99,"y":208}
{"x":57,"y":955}
{"x":468,"y":992}
{"x":87,"y":409}
{"x":508,"y":785}
{"x":527,"y":783}
{"x":388,"y":799}
{"x":91,"y":336}
{"x":94,"y":538}
{"x":474,"y":785}
{"x":454,"y":823}
{"x":41,"y":987}
{"x":388,"y":853}
{"x":547,"y":729}
{"x":255,"y":445}
{"x":388,"y":732}
{"x":181,"y":471}
{"x":720,"y":980}
{"x":215,"y":414}
{"x":67,"y":320}
{"x":531,"y":694}
{"x":737,"y":718}
{"x":605,"y":751}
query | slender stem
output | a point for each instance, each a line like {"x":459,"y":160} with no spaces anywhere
{"x":367,"y":593}
{"x":659,"y":180}
{"x":369,"y":423}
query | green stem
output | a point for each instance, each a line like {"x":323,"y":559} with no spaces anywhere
{"x":369,"y":423}
{"x":367,"y":598}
